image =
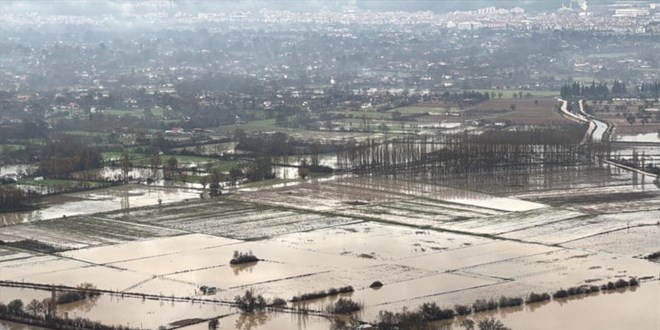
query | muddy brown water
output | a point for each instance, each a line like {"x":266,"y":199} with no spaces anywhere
{"x":6,"y":325}
{"x":637,"y":308}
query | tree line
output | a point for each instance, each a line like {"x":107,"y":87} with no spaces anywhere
{"x":494,"y":151}
{"x":602,"y":91}
{"x":64,"y":156}
{"x":15,"y":199}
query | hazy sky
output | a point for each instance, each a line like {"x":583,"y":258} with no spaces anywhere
{"x":120,"y":7}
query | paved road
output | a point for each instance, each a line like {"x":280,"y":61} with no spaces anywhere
{"x":601,"y":127}
{"x":597,"y":128}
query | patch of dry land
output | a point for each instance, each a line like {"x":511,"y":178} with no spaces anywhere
{"x":426,"y":241}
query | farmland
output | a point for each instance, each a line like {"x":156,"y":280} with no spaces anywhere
{"x":424,"y":241}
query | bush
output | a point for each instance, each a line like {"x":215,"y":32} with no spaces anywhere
{"x":344,"y":306}
{"x":621,"y":283}
{"x":537,"y":297}
{"x":243,"y":258}
{"x":509,"y":302}
{"x":575,"y":291}
{"x":249,"y":302}
{"x":481,"y":305}
{"x":85,"y":290}
{"x":310,"y":296}
{"x":278,"y":302}
{"x":463,"y":309}
{"x":431,"y":312}
{"x":561,"y":293}
{"x":346,"y":289}
{"x":322,"y":293}
{"x":654,"y":255}
{"x":592,"y":289}
{"x":376,"y":284}
{"x":633,"y":282}
{"x":491,"y":324}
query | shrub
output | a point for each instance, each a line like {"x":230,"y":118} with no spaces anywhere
{"x":509,"y":302}
{"x":537,"y":297}
{"x":85,"y":290}
{"x":344,"y":306}
{"x":561,"y":293}
{"x":310,"y":296}
{"x":621,"y":283}
{"x":592,"y":289}
{"x":249,"y":302}
{"x":575,"y":291}
{"x":463,"y":309}
{"x":633,"y":282}
{"x":491,"y":324}
{"x":431,"y":312}
{"x":322,"y":293}
{"x":243,"y":258}
{"x":376,"y":284}
{"x":654,"y":255}
{"x":278,"y":302}
{"x":346,"y":289}
{"x":481,"y":305}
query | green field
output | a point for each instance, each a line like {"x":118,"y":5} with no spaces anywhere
{"x":139,"y":113}
{"x":423,"y":110}
{"x":11,"y":147}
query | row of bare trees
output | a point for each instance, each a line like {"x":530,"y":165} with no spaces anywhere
{"x":461,"y":154}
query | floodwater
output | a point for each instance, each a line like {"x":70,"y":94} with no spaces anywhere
{"x":646,"y":137}
{"x":269,"y":321}
{"x":6,"y":325}
{"x":143,"y":314}
{"x":149,"y":248}
{"x":8,"y":294}
{"x":416,"y":264}
{"x":636,"y":308}
{"x":100,"y":200}
{"x":443,"y":193}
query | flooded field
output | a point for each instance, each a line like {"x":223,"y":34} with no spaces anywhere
{"x":645,"y":137}
{"x":269,"y":321}
{"x":600,"y":311}
{"x":425,"y":241}
{"x":143,"y":314}
{"x":101,"y":200}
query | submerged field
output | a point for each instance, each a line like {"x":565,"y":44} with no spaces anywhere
{"x":424,"y":240}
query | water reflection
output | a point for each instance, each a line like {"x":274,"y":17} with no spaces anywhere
{"x":80,"y":306}
{"x":604,"y":310}
{"x":250,"y":321}
{"x":247,"y":268}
